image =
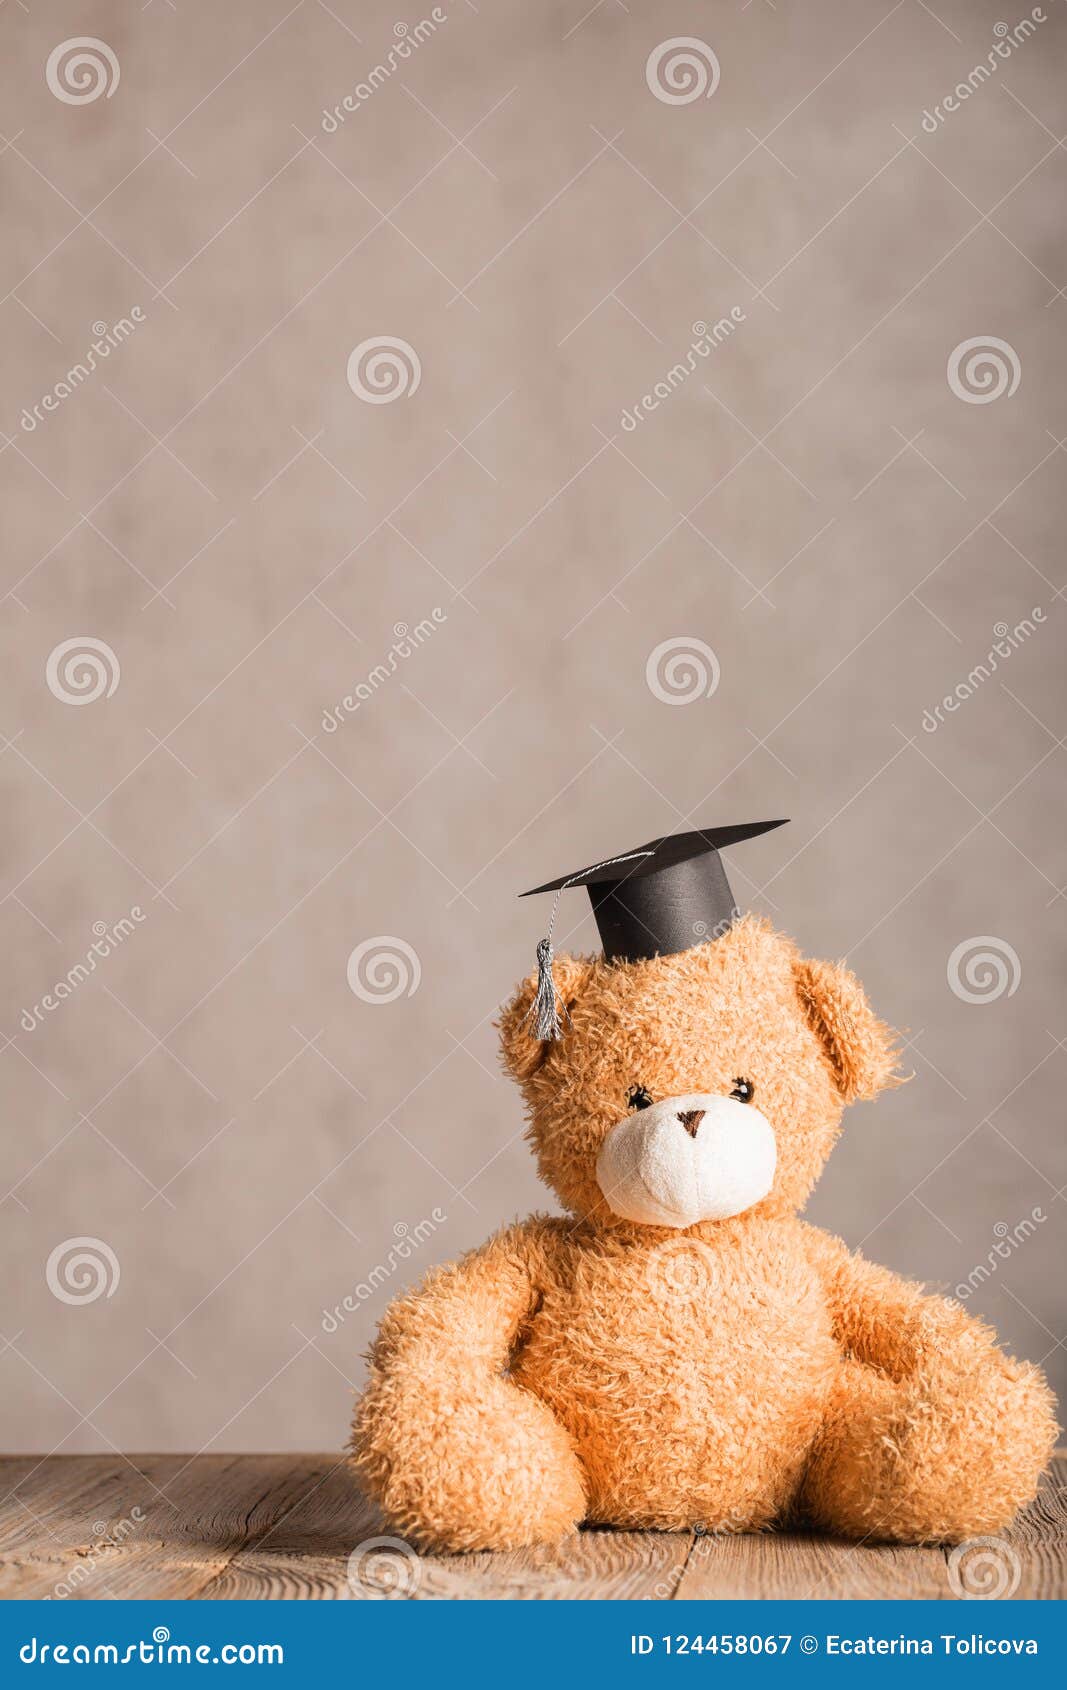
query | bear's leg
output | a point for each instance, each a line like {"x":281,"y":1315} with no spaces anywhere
{"x":949,"y":1453}
{"x":464,"y":1465}
{"x":932,"y":1434}
{"x":455,"y":1454}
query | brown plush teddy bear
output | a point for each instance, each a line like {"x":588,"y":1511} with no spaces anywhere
{"x":680,"y":1349}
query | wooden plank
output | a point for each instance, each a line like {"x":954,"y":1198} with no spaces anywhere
{"x":162,"y":1553}
{"x":58,"y":1501}
{"x":274,"y":1575}
{"x":64,"y":1521}
{"x":291,"y":1526}
{"x":591,"y":1566}
{"x":211,"y":1508}
{"x":1039,"y":1538}
{"x":814,"y":1567}
{"x":1046,"y":1517}
{"x":304,"y":1550}
{"x":242,"y":1500}
{"x":1044,"y":1574}
{"x":801,"y":1567}
{"x":309,"y":1553}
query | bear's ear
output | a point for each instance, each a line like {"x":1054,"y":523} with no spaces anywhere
{"x":858,"y":1046}
{"x":523,"y":1053}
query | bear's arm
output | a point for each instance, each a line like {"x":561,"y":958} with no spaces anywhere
{"x":469,"y":1313}
{"x":891,"y":1323}
{"x":456,"y":1455}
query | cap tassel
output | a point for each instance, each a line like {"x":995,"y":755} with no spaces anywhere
{"x":544,"y":1008}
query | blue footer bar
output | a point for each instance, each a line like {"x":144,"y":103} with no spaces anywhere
{"x":514,"y":1643}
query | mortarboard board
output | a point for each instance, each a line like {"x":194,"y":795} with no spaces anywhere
{"x":655,"y":900}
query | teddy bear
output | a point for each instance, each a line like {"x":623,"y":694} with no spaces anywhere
{"x":679,"y":1348}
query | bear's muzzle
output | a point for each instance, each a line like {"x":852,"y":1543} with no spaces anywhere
{"x":700,"y":1157}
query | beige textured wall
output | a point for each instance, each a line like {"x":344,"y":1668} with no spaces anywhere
{"x":829,"y":524}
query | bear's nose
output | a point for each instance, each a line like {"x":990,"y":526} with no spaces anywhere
{"x":691,"y":1119}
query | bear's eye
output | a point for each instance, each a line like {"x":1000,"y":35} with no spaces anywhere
{"x":744,"y":1091}
{"x":639,"y":1098}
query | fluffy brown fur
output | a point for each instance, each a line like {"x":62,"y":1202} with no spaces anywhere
{"x":727,"y":1376}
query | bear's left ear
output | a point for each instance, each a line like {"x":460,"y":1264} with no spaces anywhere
{"x":858,"y":1046}
{"x":522,"y":1051}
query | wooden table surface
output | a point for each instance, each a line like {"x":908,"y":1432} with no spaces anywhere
{"x":225,"y":1526}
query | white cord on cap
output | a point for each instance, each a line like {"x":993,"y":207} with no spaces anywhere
{"x":546,"y":999}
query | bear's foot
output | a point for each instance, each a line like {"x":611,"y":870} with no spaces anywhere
{"x":464,"y":1470}
{"x":947,"y":1456}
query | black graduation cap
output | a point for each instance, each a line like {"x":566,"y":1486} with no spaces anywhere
{"x":655,"y":900}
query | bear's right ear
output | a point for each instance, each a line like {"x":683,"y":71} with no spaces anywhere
{"x":522,"y":1051}
{"x":859,"y":1048}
